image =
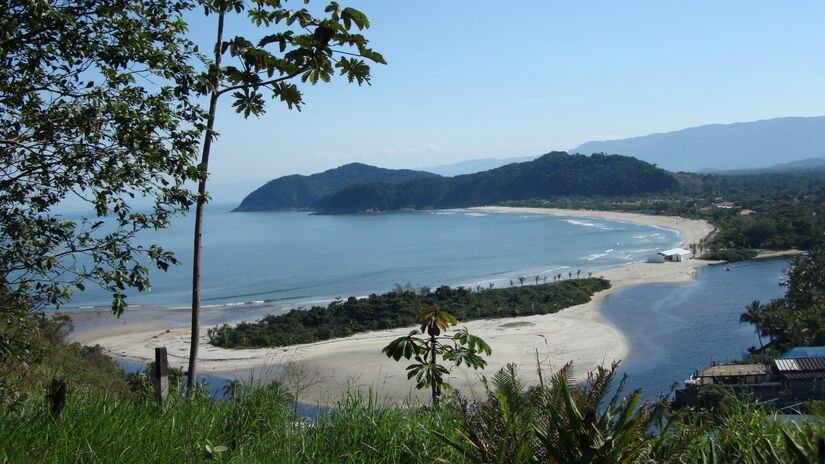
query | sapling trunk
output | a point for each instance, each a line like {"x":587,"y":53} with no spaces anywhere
{"x":433,"y":384}
{"x":191,"y":375}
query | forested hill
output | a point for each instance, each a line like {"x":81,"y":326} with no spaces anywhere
{"x":301,"y":192}
{"x":553,"y":174}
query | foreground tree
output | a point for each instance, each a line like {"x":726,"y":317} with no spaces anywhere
{"x":94,"y":106}
{"x":299,"y":47}
{"x":461,"y":348}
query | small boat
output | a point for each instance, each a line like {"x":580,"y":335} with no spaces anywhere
{"x":727,"y":269}
{"x":783,"y":282}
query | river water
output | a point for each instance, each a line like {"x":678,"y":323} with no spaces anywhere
{"x":673,"y":329}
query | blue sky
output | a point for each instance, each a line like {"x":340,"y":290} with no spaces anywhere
{"x":473,"y":79}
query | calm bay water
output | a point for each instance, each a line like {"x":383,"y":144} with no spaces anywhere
{"x":673,"y":329}
{"x":297,"y":256}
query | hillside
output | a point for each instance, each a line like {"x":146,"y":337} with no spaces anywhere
{"x":744,"y":145}
{"x":302,"y":192}
{"x":553,"y":174}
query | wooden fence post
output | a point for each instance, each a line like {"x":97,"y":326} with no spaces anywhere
{"x":160,"y":375}
{"x":57,"y":398}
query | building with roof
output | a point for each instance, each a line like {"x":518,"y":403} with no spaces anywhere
{"x":676,"y":254}
{"x":796,"y":376}
{"x":803,"y":378}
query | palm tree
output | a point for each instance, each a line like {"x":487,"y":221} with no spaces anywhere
{"x":753,"y":315}
{"x":578,"y":273}
{"x":537,"y":280}
{"x":521,"y":280}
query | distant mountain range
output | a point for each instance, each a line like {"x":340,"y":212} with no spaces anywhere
{"x":553,"y":174}
{"x":744,"y":145}
{"x":809,"y":164}
{"x":474,"y":165}
{"x":297,"y":192}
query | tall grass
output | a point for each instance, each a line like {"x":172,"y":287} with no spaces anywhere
{"x":255,"y":427}
{"x":558,"y":421}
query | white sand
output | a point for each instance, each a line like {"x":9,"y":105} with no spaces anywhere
{"x":577,"y":334}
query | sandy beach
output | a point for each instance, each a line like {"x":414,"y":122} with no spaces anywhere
{"x":577,"y":334}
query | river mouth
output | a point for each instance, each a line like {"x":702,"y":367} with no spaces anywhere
{"x":674,"y":329}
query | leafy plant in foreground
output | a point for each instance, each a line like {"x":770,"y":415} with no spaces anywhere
{"x":461,"y":348}
{"x":559,"y":421}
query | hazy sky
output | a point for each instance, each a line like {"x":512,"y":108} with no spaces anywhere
{"x":472,"y":79}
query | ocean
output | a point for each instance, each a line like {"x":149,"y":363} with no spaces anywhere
{"x":298,"y":258}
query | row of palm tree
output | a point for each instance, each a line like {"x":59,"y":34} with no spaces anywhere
{"x":543,"y":279}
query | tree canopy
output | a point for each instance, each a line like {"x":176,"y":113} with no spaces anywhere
{"x":95,"y":103}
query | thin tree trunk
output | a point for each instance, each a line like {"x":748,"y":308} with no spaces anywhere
{"x":191,"y":375}
{"x":433,"y":385}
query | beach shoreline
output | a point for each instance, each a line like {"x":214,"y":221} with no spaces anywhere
{"x":579,"y":334}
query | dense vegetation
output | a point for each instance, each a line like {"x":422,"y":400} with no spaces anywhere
{"x":41,"y":354}
{"x":557,"y":421}
{"x":553,"y":174}
{"x":302,"y":192}
{"x":797,"y":319}
{"x":399,"y":308}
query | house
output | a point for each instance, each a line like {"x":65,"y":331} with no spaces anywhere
{"x":802,"y":370}
{"x":733,"y":374}
{"x":677,"y":254}
{"x":796,"y":376}
{"x":724,"y":205}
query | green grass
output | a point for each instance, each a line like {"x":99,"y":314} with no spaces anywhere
{"x":514,"y":423}
{"x":256,"y":427}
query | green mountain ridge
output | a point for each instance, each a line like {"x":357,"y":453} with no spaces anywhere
{"x":553,"y":174}
{"x":297,"y":192}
